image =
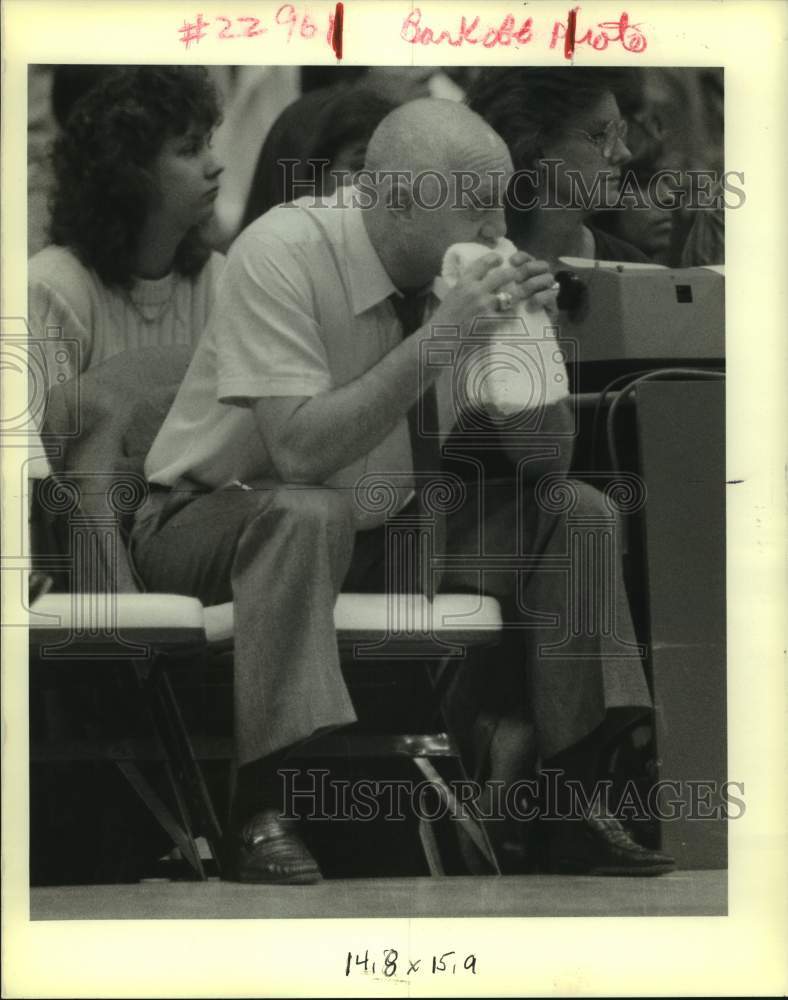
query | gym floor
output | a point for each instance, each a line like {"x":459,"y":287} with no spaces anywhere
{"x":681,"y":893}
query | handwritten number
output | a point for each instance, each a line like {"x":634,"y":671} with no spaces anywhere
{"x":439,"y":965}
{"x":391,"y":959}
{"x":227,"y":25}
{"x":308,"y":27}
{"x":286,"y":14}
{"x":290,"y":18}
{"x":390,"y":955}
{"x":252,"y":31}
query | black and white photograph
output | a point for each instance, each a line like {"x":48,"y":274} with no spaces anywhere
{"x":375,"y":548}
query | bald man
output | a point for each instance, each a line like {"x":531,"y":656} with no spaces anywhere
{"x":299,"y":391}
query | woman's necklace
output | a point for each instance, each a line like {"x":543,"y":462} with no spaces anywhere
{"x":149,"y":319}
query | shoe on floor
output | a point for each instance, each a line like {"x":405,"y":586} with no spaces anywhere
{"x":599,"y":845}
{"x":270,"y":850}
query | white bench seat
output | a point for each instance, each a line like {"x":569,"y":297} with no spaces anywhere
{"x":160,"y":620}
{"x":171,"y":619}
{"x":359,"y":617}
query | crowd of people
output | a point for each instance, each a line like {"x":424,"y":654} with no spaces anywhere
{"x":307,"y":343}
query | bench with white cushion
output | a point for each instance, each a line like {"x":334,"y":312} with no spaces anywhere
{"x":155,"y":626}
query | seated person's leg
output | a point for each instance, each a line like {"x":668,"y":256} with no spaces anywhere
{"x":583,"y":681}
{"x":280,"y":554}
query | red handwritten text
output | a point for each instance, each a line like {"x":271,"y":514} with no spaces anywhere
{"x":629,"y":36}
{"x":569,"y":37}
{"x":336,"y":23}
{"x":287,"y":18}
{"x":467,"y":32}
{"x":511,"y":31}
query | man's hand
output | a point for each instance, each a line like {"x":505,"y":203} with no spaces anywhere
{"x":310,"y":439}
{"x":539,"y":285}
{"x":527,"y":280}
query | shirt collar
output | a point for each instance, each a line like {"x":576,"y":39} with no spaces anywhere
{"x":440,"y":288}
{"x":369,"y":282}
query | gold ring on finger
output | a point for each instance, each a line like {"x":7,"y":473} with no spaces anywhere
{"x":503,"y":301}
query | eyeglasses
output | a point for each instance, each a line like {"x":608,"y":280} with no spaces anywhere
{"x":606,"y":139}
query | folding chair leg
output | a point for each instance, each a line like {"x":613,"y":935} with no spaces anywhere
{"x":468,"y":824}
{"x":429,"y":845}
{"x":193,"y":858}
{"x":186,"y":776}
{"x":232,"y":788}
{"x":181,"y":835}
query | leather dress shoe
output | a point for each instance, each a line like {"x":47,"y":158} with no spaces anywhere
{"x":599,"y":845}
{"x":271,"y":851}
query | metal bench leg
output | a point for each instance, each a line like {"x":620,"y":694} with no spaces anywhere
{"x":180,"y":833}
{"x":186,"y":775}
{"x":429,"y":845}
{"x":183,"y":770}
{"x":468,"y":824}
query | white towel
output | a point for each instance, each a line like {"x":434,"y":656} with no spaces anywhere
{"x":522,"y":367}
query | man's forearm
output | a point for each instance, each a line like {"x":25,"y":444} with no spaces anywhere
{"x":329,"y":431}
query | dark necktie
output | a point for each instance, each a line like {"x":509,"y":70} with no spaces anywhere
{"x":424,"y":440}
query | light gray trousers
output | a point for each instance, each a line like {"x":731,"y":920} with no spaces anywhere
{"x":283,"y":553}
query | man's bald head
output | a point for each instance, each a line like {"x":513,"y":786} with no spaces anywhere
{"x":433,"y":134}
{"x":439,"y":172}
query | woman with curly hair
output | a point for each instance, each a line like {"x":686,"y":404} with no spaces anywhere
{"x":135,"y":186}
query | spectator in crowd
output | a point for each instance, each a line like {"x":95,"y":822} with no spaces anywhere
{"x":645,"y":217}
{"x":692,"y":101}
{"x":252,"y":98}
{"x":316,"y":144}
{"x":567,"y":139}
{"x":705,"y":242}
{"x":647,"y":223}
{"x":135,"y":185}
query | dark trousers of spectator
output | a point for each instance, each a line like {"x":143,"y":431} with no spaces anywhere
{"x":282,"y":554}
